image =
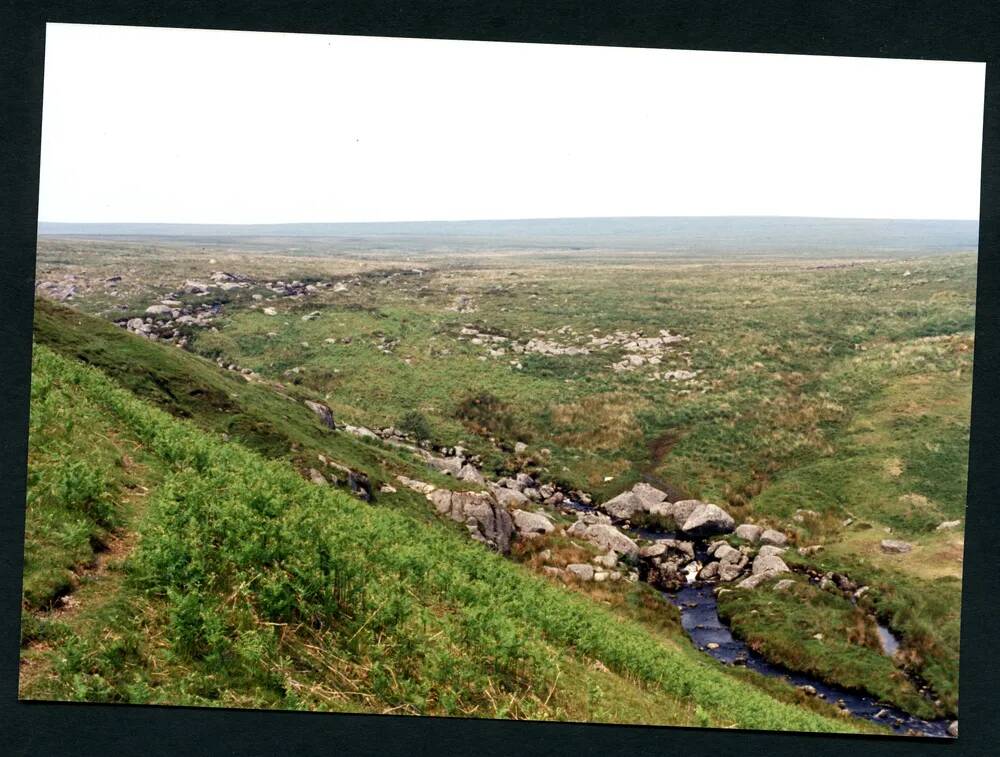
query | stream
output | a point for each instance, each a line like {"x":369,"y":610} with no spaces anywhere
{"x":700,"y":619}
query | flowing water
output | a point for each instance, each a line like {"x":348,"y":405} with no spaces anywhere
{"x":700,"y":619}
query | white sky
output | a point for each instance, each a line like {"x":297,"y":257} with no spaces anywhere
{"x":172,"y":125}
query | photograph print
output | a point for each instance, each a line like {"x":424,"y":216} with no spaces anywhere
{"x":501,"y":380}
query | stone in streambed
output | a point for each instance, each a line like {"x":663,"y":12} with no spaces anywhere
{"x":708,"y":519}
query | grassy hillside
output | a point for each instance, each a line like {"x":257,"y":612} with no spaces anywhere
{"x":274,"y":423}
{"x":829,"y":399}
{"x":248,"y":586}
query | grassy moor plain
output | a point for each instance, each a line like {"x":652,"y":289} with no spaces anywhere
{"x":667,"y":471}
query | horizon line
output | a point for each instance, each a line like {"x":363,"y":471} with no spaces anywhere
{"x":511,"y":219}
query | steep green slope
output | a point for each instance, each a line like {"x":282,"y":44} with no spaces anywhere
{"x":252,"y":587}
{"x":273,"y":422}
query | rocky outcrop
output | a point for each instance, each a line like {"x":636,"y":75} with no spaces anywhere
{"x":359,"y":485}
{"x":730,"y":562}
{"x":753,"y":581}
{"x":764,"y":568}
{"x":664,"y":564}
{"x":488,"y":521}
{"x":623,"y":506}
{"x":323,"y":412}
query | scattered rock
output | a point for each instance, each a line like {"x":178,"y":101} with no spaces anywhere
{"x":159,"y":310}
{"x":527,"y":522}
{"x":750,"y":532}
{"x":582,"y":571}
{"x":807,"y":689}
{"x":451,"y":466}
{"x":895,"y":546}
{"x":417,"y":486}
{"x":520,"y":448}
{"x":770,"y":549}
{"x":771,"y":564}
{"x":509,"y":497}
{"x":640,"y":498}
{"x":608,"y":537}
{"x":316,"y":477}
{"x":774,"y":538}
{"x":946,"y":526}
{"x":810,"y":550}
{"x":784,"y":584}
{"x":471,"y":474}
{"x":953,"y":729}
{"x":494,"y":525}
{"x":608,"y":560}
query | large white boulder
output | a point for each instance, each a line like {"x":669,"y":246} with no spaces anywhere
{"x":769,"y":564}
{"x":708,"y":519}
{"x":534,"y":523}
{"x":608,"y":537}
